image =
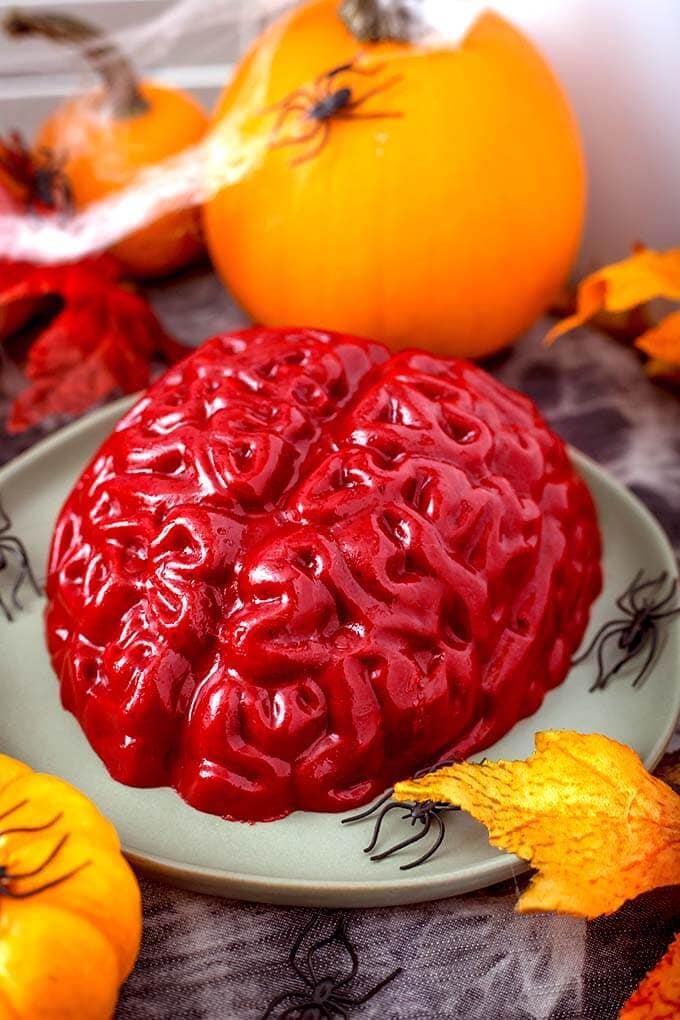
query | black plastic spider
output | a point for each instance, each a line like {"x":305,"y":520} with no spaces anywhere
{"x":637,"y":629}
{"x":38,"y":176}
{"x":323,"y":997}
{"x":8,"y":877}
{"x":426,"y":812}
{"x":316,"y":107}
{"x":13,"y":549}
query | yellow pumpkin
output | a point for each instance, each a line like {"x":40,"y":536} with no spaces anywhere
{"x":70,"y":907}
{"x":415,"y":194}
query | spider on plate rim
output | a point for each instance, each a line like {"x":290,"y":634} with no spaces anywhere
{"x":13,"y":549}
{"x":636,"y":629}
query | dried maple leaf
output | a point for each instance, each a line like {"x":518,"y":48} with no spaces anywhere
{"x":102,"y":337}
{"x":100,"y":342}
{"x":642,"y":277}
{"x":663,"y":342}
{"x":582,"y":809}
{"x":658,"y":996}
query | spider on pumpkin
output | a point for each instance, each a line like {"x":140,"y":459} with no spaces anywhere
{"x":13,"y":549}
{"x":636,"y":629}
{"x":36,"y":177}
{"x":8,"y":877}
{"x":317,"y":106}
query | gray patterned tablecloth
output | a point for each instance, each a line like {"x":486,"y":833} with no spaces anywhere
{"x":469,"y":958}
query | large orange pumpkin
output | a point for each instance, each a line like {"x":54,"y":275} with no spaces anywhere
{"x":448,"y":218}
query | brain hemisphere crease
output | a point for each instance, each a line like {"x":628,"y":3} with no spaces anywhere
{"x":300,"y":569}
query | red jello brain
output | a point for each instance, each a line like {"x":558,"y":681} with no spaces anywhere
{"x":300,"y":568}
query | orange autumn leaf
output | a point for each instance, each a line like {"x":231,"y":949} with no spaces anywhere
{"x":658,"y":996}
{"x":663,"y":342}
{"x":642,"y":277}
{"x":582,"y":809}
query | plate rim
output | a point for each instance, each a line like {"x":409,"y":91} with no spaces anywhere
{"x":328,"y":892}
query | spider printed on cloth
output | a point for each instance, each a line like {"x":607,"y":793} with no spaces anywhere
{"x":636,"y":631}
{"x":427,"y":813}
{"x":316,"y":107}
{"x":13,"y":554}
{"x":324,"y":994}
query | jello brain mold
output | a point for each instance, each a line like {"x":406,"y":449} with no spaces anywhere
{"x":301,"y":568}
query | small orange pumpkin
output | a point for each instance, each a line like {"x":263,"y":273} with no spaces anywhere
{"x":104,"y":138}
{"x":70,"y":908}
{"x":412,"y":194}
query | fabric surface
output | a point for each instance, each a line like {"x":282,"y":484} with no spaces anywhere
{"x":466,"y":958}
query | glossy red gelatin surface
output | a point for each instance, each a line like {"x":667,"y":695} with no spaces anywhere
{"x":301,"y":568}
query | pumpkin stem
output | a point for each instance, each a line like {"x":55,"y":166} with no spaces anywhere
{"x":378,"y":20}
{"x":120,"y":83}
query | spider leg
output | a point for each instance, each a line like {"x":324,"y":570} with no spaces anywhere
{"x":5,"y":610}
{"x":654,"y":583}
{"x":325,"y":83}
{"x":291,"y":98}
{"x":654,"y":640}
{"x":356,"y":103}
{"x":17,"y":807}
{"x":305,"y":136}
{"x":433,"y":849}
{"x":41,"y":867}
{"x":334,"y":1008}
{"x":671,"y":592}
{"x":277,"y":1002}
{"x":18,"y":550}
{"x":43,"y":888}
{"x":33,"y":828}
{"x":339,"y":935}
{"x":285,"y":113}
{"x":351,"y":67}
{"x":602,"y":675}
{"x":666,"y":616}
{"x":388,"y":115}
{"x":11,"y":540}
{"x":23,"y":574}
{"x":378,"y":825}
{"x":16,"y":587}
{"x":325,"y":130}
{"x":369,"y":995}
{"x":406,"y":842}
{"x":367,"y":72}
{"x":296,"y":949}
{"x":631,"y":588}
{"x":368,"y":811}
{"x":341,"y":930}
{"x":447,"y":763}
{"x":605,"y":626}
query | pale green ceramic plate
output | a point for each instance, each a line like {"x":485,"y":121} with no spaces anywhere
{"x":306,"y":858}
